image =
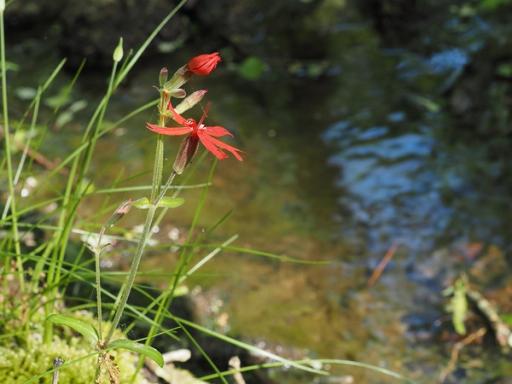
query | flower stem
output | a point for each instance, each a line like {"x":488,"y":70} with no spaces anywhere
{"x":156,"y":195}
{"x":158,"y":168}
{"x":97,"y":255}
{"x":133,"y":272}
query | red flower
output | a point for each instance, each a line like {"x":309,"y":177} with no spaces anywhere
{"x":203,"y":65}
{"x":199,"y":131}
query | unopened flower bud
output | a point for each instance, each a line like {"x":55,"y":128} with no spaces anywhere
{"x":179,"y":78}
{"x":118,"y":52}
{"x":203,"y":65}
{"x":2,"y":5}
{"x":179,"y":93}
{"x":162,"y":78}
{"x":190,"y":101}
{"x":118,"y":214}
{"x":186,"y":153}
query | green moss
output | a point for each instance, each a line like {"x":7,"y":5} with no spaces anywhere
{"x":17,"y":364}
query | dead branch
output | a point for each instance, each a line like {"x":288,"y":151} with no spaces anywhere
{"x":382,"y":265}
{"x":457,"y":348}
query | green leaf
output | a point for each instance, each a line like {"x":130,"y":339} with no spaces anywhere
{"x":10,"y":66}
{"x":505,"y":70}
{"x":426,"y":103}
{"x":252,"y":68}
{"x":139,"y":348}
{"x":80,"y":326}
{"x":491,"y":5}
{"x":142,"y":203}
{"x":25,"y":93}
{"x":507,"y":318}
{"x":459,"y":306}
{"x":171,"y":202}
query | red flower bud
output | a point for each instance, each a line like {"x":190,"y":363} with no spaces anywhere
{"x":203,"y":65}
{"x":186,"y":153}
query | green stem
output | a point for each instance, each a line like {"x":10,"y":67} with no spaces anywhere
{"x":167,"y":296}
{"x":10,"y":175}
{"x":133,"y":272}
{"x":156,"y":196}
{"x":97,"y":255}
{"x":159,"y":151}
{"x":146,"y":234}
{"x":158,"y":168}
{"x":163,"y":295}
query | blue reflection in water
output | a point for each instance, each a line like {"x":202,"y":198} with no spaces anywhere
{"x":392,"y":190}
{"x":448,"y":60}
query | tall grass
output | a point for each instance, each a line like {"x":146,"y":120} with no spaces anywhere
{"x":34,"y":280}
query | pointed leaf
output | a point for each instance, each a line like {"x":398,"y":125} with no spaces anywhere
{"x":139,"y":348}
{"x":80,"y":326}
{"x":171,"y":202}
{"x":142,"y":203}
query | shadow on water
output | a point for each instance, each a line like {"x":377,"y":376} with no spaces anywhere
{"x":367,"y":131}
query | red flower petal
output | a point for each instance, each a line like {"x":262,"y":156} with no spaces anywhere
{"x":211,"y":147}
{"x":176,"y":116}
{"x":217,"y":131}
{"x":205,"y":113}
{"x":170,"y":131}
{"x":234,"y":151}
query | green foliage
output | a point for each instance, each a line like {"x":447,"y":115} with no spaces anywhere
{"x":139,"y":348}
{"x":507,"y":318}
{"x":252,"y":68}
{"x":142,"y":203}
{"x":491,"y":5}
{"x":80,"y":326}
{"x":171,"y":202}
{"x":458,"y":305}
{"x":165,"y":202}
{"x":505,"y":70}
{"x":19,"y":364}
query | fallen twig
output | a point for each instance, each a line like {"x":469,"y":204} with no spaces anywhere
{"x":377,"y":272}
{"x":502,"y":332}
{"x":454,"y":356}
{"x":234,"y":363}
{"x":38,"y":157}
{"x":57,"y":362}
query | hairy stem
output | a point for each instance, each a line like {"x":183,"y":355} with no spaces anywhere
{"x":156,"y":195}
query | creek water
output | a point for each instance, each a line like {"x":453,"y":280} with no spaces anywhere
{"x":344,"y":157}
